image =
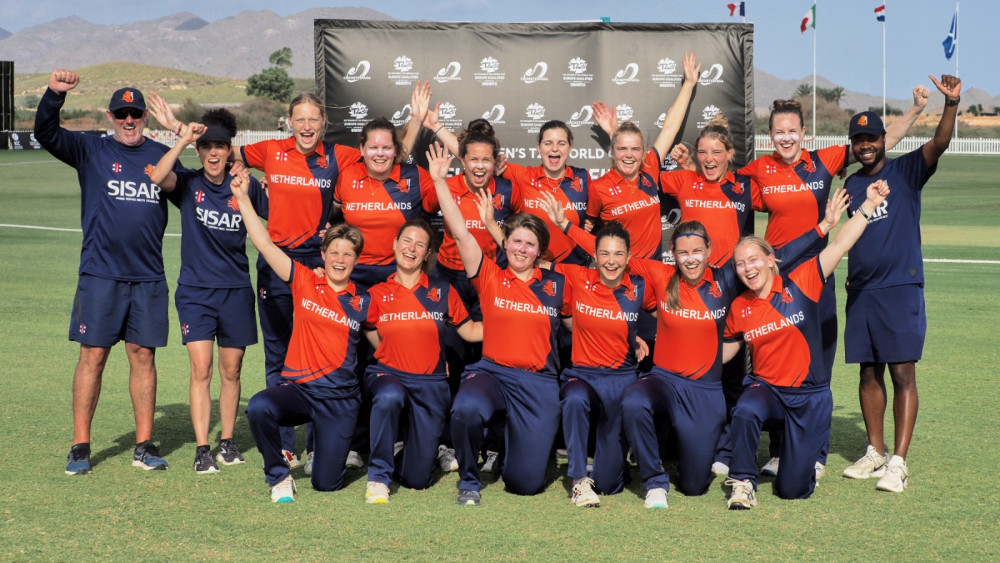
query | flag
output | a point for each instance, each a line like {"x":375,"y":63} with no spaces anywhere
{"x":951,"y":41}
{"x":880,"y":13}
{"x":809,"y":20}
{"x":733,"y":7}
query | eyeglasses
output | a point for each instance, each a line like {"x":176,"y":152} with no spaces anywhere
{"x":125,"y":113}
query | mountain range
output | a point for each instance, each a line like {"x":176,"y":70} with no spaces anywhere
{"x":239,"y":46}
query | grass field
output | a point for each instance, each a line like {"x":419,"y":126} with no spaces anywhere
{"x":949,"y":512}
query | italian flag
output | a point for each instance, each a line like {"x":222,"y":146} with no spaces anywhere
{"x":809,"y":20}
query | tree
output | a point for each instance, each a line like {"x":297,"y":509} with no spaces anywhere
{"x":973,"y":109}
{"x":281,"y":58}
{"x":803,"y":90}
{"x":273,"y":83}
{"x":831,"y":94}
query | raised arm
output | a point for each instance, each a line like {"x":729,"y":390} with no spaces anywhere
{"x":443,"y":134}
{"x":484,"y":203}
{"x":420,"y":99}
{"x":605,"y":117}
{"x":675,"y":115}
{"x":895,"y":132}
{"x":163,"y":173}
{"x":438,"y":160}
{"x":951,"y":87}
{"x":796,"y":248}
{"x":278,"y":260}
{"x":852,"y":229}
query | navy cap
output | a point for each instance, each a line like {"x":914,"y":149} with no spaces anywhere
{"x":127,"y":98}
{"x":215,"y":133}
{"x":866,"y":123}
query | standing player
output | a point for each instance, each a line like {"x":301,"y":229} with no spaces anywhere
{"x":407,"y":320}
{"x":779,"y":317}
{"x":320,"y":384}
{"x":886,"y":321}
{"x":515,"y":383}
{"x":214,"y":297}
{"x":122,"y":291}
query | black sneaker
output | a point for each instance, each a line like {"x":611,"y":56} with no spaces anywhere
{"x":203,"y":462}
{"x":468,"y":498}
{"x":147,"y":456}
{"x":78,"y":460}
{"x":228,"y":453}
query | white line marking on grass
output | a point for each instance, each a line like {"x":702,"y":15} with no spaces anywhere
{"x":53,"y":161}
{"x":946,"y":261}
{"x":61,"y":229}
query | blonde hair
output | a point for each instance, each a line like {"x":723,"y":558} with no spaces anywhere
{"x":764,"y":247}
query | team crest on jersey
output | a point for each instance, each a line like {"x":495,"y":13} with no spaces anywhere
{"x":434,"y":294}
{"x":322,"y":161}
{"x":199,"y":196}
{"x":715,"y":290}
{"x":575,"y":184}
{"x":770,"y":169}
{"x":738,"y":188}
{"x":630,"y":293}
{"x":357,"y":302}
{"x":498,"y":201}
{"x":148,"y":170}
{"x":233,"y":205}
{"x":645,"y":181}
{"x":404,"y":186}
{"x":785,"y":296}
{"x":549,"y":288}
{"x":116,"y":168}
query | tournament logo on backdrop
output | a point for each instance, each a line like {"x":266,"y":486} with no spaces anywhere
{"x":536,"y":73}
{"x":535,"y":113}
{"x":627,"y":74}
{"x":448,"y":115}
{"x":495,"y":115}
{"x":625,"y":113}
{"x":399,"y":118}
{"x":578,"y":77}
{"x":358,"y":117}
{"x":358,"y":72}
{"x":712,"y":75}
{"x":707,"y":114}
{"x":581,"y":118}
{"x":666,"y":75}
{"x":489,"y":74}
{"x":449,"y":73}
{"x":402,"y":72}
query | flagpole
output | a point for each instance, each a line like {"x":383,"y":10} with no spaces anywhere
{"x":814,"y":69}
{"x":956,"y":59}
{"x":883,"y":59}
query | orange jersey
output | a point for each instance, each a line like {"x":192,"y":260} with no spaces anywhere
{"x":604,"y":319}
{"x":634,"y":204}
{"x":520,"y":318}
{"x":506,"y":201}
{"x":689,"y":339}
{"x":322,"y":352}
{"x":782,"y":330}
{"x":300,"y":188}
{"x":724,"y":207}
{"x":411,"y":322}
{"x":379,"y":209}
{"x":571,"y":190}
{"x":794,"y":195}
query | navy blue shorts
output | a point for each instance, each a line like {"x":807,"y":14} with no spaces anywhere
{"x":107,"y":311}
{"x":226,"y":314}
{"x":885,"y":325}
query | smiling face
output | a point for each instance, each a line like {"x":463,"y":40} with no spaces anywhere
{"x":626,"y":155}
{"x":307,"y":124}
{"x":869,"y":150}
{"x":127,"y":124}
{"x":713,"y":158}
{"x":214,"y":156}
{"x":787,"y":132}
{"x":339,"y":259}
{"x":755,"y":267}
{"x":411,"y":248}
{"x":554,"y":150}
{"x":522,"y":250}
{"x":691,"y":254}
{"x":379,"y":152}
{"x":478,"y":163}
{"x":612,"y":256}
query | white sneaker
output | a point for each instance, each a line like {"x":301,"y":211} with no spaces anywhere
{"x":284,"y":491}
{"x":820,"y":470}
{"x":446,"y":459}
{"x":720,"y":469}
{"x":491,"y":462}
{"x":290,"y":458}
{"x":308,"y":465}
{"x":872,"y":464}
{"x":743,"y":496}
{"x":354,"y":460}
{"x":896,"y":476}
{"x":771,"y":467}
{"x":377,"y":493}
{"x":656,"y":498}
{"x":584,"y":495}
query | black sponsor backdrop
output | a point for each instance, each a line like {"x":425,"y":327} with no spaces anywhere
{"x":521,"y":75}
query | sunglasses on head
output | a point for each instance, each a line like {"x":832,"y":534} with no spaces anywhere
{"x":125,"y":113}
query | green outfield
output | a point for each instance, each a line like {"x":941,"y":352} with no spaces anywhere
{"x":951,"y":510}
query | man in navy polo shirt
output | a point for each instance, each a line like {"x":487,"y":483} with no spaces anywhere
{"x":122,"y":290}
{"x":886,"y":321}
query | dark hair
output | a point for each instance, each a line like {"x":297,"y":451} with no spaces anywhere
{"x":785,"y":106}
{"x":613,"y":229}
{"x":307,"y":98}
{"x":685,"y":229}
{"x":717,"y":128}
{"x":420,"y":224}
{"x":478,"y":131}
{"x":383,"y":124}
{"x":555,"y":124}
{"x":347,"y":232}
{"x":533,"y":224}
{"x":221,"y":118}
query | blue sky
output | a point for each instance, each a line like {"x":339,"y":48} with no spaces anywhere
{"x":849,"y":40}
